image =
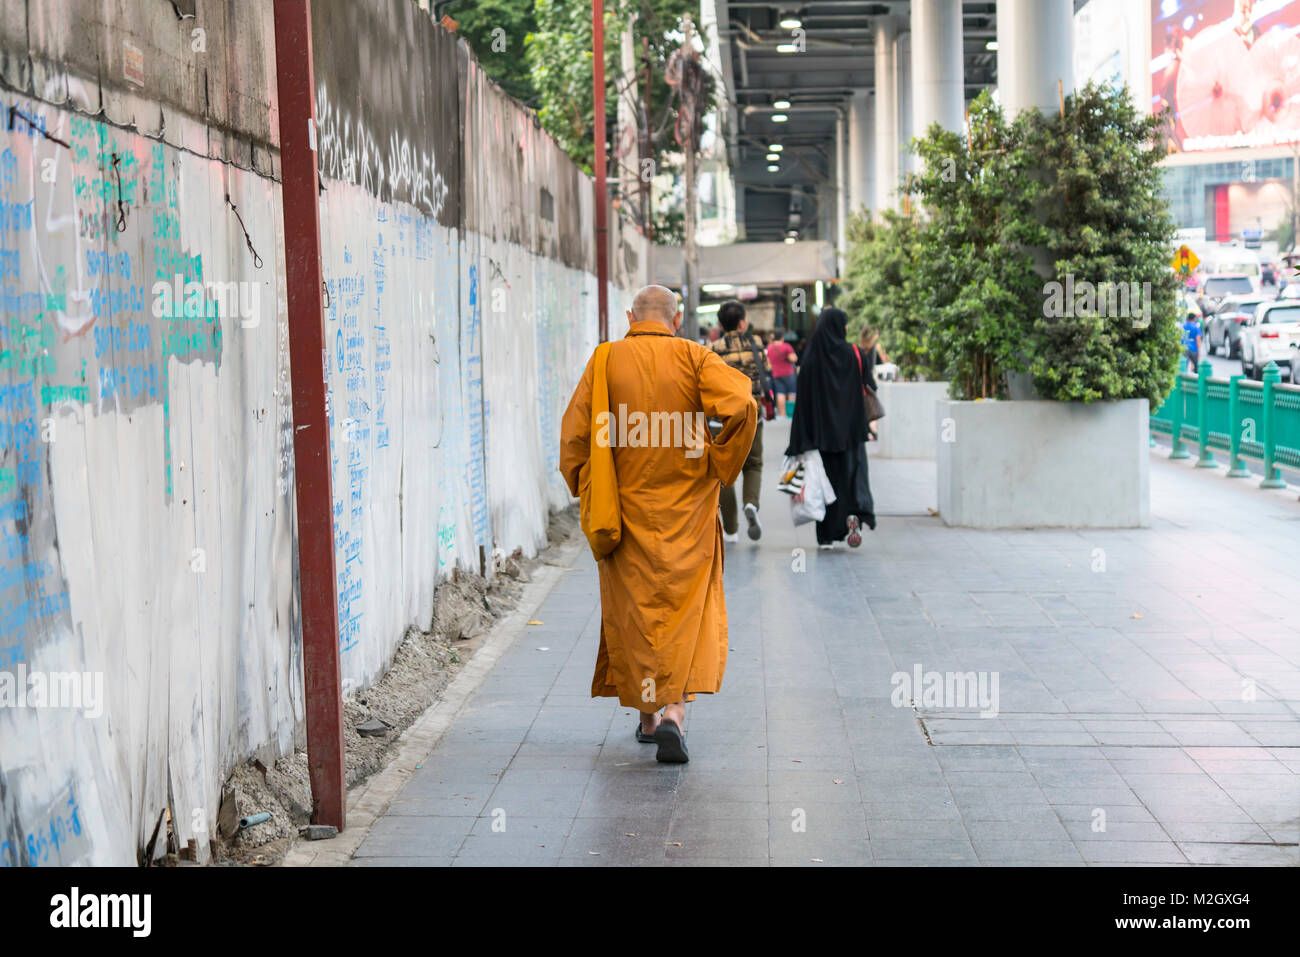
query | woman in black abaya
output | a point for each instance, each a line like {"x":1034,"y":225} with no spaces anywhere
{"x":831,"y":418}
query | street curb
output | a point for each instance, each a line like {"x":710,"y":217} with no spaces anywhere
{"x":367,"y":804}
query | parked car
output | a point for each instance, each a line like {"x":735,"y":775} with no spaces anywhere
{"x":1236,"y":262}
{"x":1273,"y":335}
{"x":1222,"y":329}
{"x":1291,"y":291}
{"x":1219,"y":286}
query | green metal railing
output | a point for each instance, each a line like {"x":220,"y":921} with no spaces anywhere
{"x":1238,"y":416}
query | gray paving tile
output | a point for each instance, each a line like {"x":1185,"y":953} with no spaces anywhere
{"x":402,"y":836}
{"x":1253,"y":855}
{"x":703,"y":812}
{"x":1114,"y":830}
{"x":1004,"y":831}
{"x":522,"y":840}
{"x":1213,"y":832}
{"x":949,"y":830}
{"x":444,"y":861}
{"x":626,"y":841}
{"x":996,"y":811}
{"x":923,"y":852}
{"x":741,"y":838}
{"x":1116,"y":852}
{"x":998,"y":852}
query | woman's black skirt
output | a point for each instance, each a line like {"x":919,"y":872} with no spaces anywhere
{"x":847,"y":472}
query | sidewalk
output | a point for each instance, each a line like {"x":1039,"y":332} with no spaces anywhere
{"x":1124,"y":735}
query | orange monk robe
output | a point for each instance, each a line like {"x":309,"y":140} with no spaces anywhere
{"x":663,"y":633}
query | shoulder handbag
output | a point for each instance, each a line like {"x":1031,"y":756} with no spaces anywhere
{"x":599,"y":512}
{"x":875,"y":408}
{"x":766,"y":395}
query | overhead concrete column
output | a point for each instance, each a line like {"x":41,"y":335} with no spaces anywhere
{"x":938,"y":71}
{"x":862,"y":158}
{"x":841,"y":181}
{"x":1035,"y":51}
{"x":826,"y":212}
{"x":903,"y":59}
{"x":886,"y":107}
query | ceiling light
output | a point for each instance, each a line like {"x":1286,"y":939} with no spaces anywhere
{"x":779,"y":117}
{"x":782,"y":104}
{"x":773,"y":157}
{"x":789,"y":239}
{"x":774,"y":168}
{"x":786,"y":48}
{"x":991,"y":45}
{"x":775,"y":148}
{"x":790,"y":19}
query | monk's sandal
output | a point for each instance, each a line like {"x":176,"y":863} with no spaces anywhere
{"x":672,"y":744}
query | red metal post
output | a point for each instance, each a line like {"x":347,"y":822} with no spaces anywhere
{"x":602,"y":222}
{"x":295,"y":81}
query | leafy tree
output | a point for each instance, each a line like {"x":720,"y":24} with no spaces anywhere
{"x":1108,"y":226}
{"x":878,"y":289}
{"x":1042,"y":247}
{"x":496,"y":31}
{"x":560,"y":61}
{"x":547,"y":64}
{"x":974,"y":278}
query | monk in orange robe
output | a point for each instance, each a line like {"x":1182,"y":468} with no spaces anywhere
{"x":663,"y":634}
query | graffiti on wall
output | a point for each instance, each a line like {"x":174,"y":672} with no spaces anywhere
{"x":146,"y":464}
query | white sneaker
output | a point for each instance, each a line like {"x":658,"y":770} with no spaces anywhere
{"x":730,"y":538}
{"x":755,"y":529}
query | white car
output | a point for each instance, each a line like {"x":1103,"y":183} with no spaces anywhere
{"x":1239,"y":263}
{"x":1273,"y":335}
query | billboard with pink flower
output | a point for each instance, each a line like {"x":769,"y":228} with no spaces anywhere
{"x":1228,"y":70}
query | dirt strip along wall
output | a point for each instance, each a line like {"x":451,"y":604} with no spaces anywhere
{"x":148,"y":561}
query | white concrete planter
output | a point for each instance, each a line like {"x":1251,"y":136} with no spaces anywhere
{"x":907,"y":430}
{"x":1043,"y":464}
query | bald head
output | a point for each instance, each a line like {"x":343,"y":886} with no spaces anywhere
{"x":655,"y":302}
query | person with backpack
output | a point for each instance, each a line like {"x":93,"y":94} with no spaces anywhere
{"x":740,"y":349}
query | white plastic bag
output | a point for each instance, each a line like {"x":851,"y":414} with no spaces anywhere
{"x":809,"y":505}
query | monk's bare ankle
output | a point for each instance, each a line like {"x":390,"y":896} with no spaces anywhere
{"x":676,"y":713}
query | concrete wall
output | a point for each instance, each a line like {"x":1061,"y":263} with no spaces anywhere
{"x":907,"y":430}
{"x":146,"y":470}
{"x":1042,"y":464}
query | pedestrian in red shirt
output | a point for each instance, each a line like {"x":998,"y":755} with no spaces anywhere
{"x":783,"y":359}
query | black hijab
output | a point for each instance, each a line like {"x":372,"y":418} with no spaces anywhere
{"x":829,"y":414}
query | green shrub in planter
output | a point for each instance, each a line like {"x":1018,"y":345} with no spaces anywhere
{"x":974,"y":277}
{"x":1108,"y":236}
{"x":877,"y":289}
{"x":1042,"y":246}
